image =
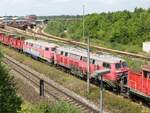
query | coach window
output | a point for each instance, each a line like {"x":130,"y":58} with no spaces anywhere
{"x":106,"y":65}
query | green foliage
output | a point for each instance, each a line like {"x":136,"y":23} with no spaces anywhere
{"x":60,"y":107}
{"x":63,"y":107}
{"x":9,"y":101}
{"x":135,"y":64}
{"x":122,"y":27}
{"x":56,"y":28}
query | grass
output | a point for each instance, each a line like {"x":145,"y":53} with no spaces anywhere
{"x":44,"y":107}
{"x":63,"y":107}
{"x":113,"y":103}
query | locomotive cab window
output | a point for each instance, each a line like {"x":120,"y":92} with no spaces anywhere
{"x":61,"y":52}
{"x":93,"y":61}
{"x":124,"y":64}
{"x":118,"y":65}
{"x":81,"y":58}
{"x":53,"y":49}
{"x":66,"y":54}
{"x":106,"y":65}
{"x":46,"y":49}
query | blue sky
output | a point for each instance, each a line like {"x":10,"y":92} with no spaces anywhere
{"x":70,"y":7}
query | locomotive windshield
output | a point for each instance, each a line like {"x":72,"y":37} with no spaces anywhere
{"x":124,"y":64}
{"x":53,"y":49}
{"x":106,"y":65}
{"x":121,"y":65}
{"x":118,"y":65}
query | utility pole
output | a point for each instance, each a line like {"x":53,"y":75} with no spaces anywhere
{"x":101,"y":94}
{"x":88,"y":53}
{"x":99,"y":74}
{"x":83,"y":21}
{"x":88,"y":65}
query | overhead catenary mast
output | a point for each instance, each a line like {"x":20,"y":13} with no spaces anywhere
{"x":88,"y":52}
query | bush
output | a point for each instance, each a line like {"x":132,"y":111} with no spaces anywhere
{"x":60,"y":107}
{"x":9,"y":101}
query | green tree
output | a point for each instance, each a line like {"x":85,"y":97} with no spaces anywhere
{"x":9,"y":101}
{"x":121,"y":28}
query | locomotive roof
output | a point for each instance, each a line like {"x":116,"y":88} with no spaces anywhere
{"x":73,"y":50}
{"x":108,"y":58}
{"x":41,"y":43}
{"x":83,"y":52}
{"x":2,"y":32}
{"x":16,"y":36}
{"x":12,"y":35}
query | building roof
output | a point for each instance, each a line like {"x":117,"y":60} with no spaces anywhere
{"x":146,"y":42}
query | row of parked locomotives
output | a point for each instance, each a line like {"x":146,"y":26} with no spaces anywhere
{"x":75,"y":60}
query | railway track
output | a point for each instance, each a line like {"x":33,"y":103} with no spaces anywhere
{"x":45,"y":36}
{"x":52,"y":89}
{"x":98,"y":47}
{"x":60,"y":95}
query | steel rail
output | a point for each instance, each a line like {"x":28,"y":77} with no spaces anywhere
{"x":50,"y":89}
{"x":99,"y":48}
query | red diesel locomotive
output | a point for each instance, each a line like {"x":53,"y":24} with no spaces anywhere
{"x":75,"y":59}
